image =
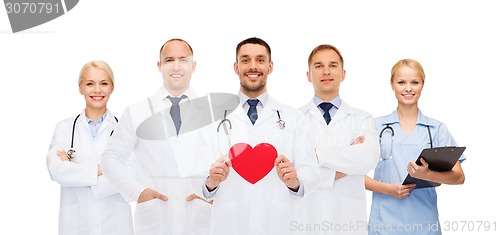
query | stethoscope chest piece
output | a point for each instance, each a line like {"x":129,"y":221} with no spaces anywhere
{"x":281,"y":124}
{"x":71,"y":153}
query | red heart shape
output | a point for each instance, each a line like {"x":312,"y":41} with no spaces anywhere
{"x":252,"y":163}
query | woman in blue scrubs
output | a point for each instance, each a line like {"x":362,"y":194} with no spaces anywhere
{"x":404,"y":209}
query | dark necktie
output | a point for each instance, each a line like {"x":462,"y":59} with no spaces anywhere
{"x":252,"y":111}
{"x":326,"y":106}
{"x":175,"y":111}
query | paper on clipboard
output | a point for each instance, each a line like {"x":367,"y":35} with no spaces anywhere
{"x":439,"y":159}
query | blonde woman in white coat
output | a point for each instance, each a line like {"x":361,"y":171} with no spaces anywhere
{"x":88,"y":202}
{"x":346,"y":146}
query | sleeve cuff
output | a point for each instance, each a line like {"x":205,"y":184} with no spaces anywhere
{"x":209,"y":194}
{"x":299,"y":193}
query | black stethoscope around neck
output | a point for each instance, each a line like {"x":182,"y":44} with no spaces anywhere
{"x":228,"y":126}
{"x":391,"y":130}
{"x":71,"y":152}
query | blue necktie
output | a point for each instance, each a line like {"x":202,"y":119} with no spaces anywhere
{"x":175,"y":111}
{"x":326,"y":106}
{"x":252,"y":111}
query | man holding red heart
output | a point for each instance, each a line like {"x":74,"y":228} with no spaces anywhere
{"x":265,"y":135}
{"x":346,"y":145}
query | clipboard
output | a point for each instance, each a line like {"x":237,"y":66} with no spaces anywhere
{"x":439,"y":159}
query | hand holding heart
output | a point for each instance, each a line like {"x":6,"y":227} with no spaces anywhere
{"x":253,"y":164}
{"x":286,"y":172}
{"x":284,"y":168}
{"x":218,"y":172}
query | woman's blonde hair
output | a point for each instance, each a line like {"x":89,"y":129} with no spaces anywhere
{"x":99,"y":64}
{"x":413,"y":64}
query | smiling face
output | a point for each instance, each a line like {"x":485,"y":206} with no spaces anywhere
{"x":253,"y":65}
{"x":326,"y":73}
{"x":96,"y":86}
{"x":407,"y":84}
{"x":176,"y":66}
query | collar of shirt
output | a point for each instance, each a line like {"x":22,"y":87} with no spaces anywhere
{"x":335,"y":101}
{"x":263,"y":98}
{"x":94,"y":127}
{"x":421,"y":119}
{"x":159,"y":101}
{"x":189,"y":93}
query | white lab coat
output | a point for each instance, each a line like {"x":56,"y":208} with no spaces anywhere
{"x":266,"y":207}
{"x":339,"y":207}
{"x":89,"y":204}
{"x":173,"y":166}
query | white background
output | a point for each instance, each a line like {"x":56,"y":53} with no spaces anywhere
{"x":457,"y":42}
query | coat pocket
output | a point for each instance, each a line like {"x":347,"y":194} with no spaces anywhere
{"x":282,"y":216}
{"x":225,"y":219}
{"x":69,"y":219}
{"x":147,"y":218}
{"x":201,"y":217}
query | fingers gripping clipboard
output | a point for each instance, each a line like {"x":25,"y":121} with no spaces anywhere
{"x":439,"y":159}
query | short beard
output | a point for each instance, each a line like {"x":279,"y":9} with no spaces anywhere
{"x":259,"y":88}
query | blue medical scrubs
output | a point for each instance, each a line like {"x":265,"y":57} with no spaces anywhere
{"x":418,"y":213}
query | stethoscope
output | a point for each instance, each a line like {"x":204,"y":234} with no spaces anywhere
{"x":388,"y":128}
{"x":72,"y":152}
{"x":227,"y":123}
